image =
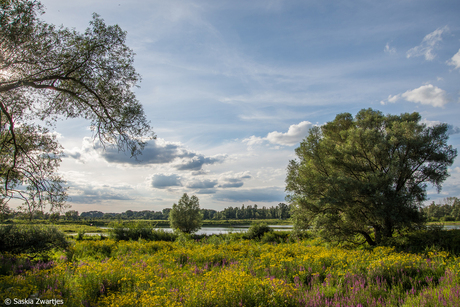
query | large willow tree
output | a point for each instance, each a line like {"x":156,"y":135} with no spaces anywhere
{"x":48,"y":73}
{"x":361,"y":179}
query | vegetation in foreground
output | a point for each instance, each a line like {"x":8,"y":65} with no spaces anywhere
{"x":273,"y":269}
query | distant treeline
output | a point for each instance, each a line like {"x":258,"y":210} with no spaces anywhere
{"x":281,"y":211}
{"x":447,"y":210}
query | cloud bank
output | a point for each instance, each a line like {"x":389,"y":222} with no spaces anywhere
{"x":90,"y":194}
{"x":155,"y":152}
{"x":269,"y":194}
{"x":164,"y":181}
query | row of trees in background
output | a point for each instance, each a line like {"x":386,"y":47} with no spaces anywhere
{"x":448,"y":210}
{"x":280,"y":211}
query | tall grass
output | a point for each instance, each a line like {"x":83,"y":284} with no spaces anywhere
{"x":231,"y":271}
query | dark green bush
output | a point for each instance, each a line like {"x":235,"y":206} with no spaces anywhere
{"x":139,"y":230}
{"x":276,"y":237}
{"x":432,"y":238}
{"x":257,"y":230}
{"x":30,"y":239}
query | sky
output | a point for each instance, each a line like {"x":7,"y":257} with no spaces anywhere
{"x":232,"y":87}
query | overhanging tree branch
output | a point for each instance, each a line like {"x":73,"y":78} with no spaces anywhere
{"x":51,"y":72}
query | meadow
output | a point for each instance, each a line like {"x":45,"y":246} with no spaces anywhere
{"x":229,"y":270}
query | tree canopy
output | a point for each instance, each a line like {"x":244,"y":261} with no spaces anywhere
{"x":360,"y":179}
{"x":49,"y":73}
{"x":186,"y":215}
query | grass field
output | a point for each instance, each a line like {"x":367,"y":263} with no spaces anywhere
{"x":230,"y":271}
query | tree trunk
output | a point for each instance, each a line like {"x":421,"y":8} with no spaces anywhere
{"x":368,"y":238}
{"x":377,"y":234}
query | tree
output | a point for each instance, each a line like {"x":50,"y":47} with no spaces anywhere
{"x":71,"y":215}
{"x":186,"y":215}
{"x":49,"y":73}
{"x":361,"y":179}
{"x":283,"y":210}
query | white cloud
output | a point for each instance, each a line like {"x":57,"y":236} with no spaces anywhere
{"x":455,"y":61}
{"x":253,"y":140}
{"x":426,"y":94}
{"x":394,"y":98}
{"x":429,"y":43}
{"x":388,"y":49}
{"x":233,"y":180}
{"x":294,"y":135}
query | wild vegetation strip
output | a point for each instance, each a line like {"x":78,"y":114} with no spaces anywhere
{"x":225,"y":271}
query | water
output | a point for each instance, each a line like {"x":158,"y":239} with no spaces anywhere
{"x":240,"y":228}
{"x":224,"y":230}
{"x":448,"y":227}
{"x":210,"y":230}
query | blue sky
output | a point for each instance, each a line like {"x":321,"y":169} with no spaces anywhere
{"x":232,"y":87}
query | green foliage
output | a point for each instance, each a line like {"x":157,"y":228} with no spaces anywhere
{"x":50,"y":72}
{"x":30,"y":239}
{"x":186,"y":216}
{"x":80,"y":235}
{"x":276,"y":237}
{"x":233,"y":273}
{"x":431,"y":238}
{"x":361,"y":179}
{"x":447,"y":210}
{"x":257,"y":230}
{"x":139,"y":230}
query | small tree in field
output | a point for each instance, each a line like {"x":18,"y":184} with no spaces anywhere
{"x":186,"y":215}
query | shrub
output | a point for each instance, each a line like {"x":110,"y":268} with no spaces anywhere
{"x":432,"y":238}
{"x":257,"y":230}
{"x":139,"y":230}
{"x":30,"y":239}
{"x":276,"y":237}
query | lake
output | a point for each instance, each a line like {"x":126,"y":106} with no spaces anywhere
{"x":209,"y":230}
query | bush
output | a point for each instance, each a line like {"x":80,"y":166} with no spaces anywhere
{"x":432,"y":238}
{"x":257,"y":230}
{"x":276,"y":237}
{"x":30,"y":239}
{"x":139,"y":230}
